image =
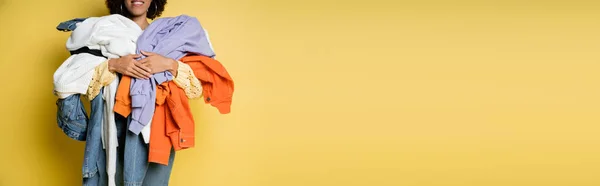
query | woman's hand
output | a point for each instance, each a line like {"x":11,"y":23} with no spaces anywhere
{"x":127,"y":65}
{"x":157,"y":63}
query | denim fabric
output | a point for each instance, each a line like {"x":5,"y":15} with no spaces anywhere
{"x":94,"y":165}
{"x":69,"y":25}
{"x":136,"y":169}
{"x":133,"y":168}
{"x":71,"y":117}
{"x":159,"y":175}
{"x":94,"y":160}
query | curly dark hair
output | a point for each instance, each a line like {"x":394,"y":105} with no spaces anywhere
{"x":155,"y":10}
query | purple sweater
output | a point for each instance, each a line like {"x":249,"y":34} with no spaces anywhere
{"x":172,"y":37}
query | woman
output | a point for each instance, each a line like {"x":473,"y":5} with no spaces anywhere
{"x":160,"y":49}
{"x":145,"y":68}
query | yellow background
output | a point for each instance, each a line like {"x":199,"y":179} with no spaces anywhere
{"x":347,"y":93}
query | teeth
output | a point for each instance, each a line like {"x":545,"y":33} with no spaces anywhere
{"x":138,"y":3}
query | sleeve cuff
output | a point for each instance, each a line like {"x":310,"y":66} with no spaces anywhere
{"x":102,"y":77}
{"x":186,"y":80}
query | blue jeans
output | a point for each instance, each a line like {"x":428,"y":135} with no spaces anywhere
{"x":71,"y":117}
{"x":136,"y":170}
{"x":133,"y":168}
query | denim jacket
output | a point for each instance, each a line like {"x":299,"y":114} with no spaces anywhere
{"x":69,"y":25}
{"x":72,"y":118}
{"x":94,"y":160}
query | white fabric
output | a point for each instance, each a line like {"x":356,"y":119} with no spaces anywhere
{"x":115,"y":36}
{"x":208,"y":39}
{"x":109,"y":129}
{"x":146,"y":132}
{"x":75,"y":74}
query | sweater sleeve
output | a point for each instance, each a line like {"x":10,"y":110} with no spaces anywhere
{"x":102,"y":77}
{"x":187,"y":81}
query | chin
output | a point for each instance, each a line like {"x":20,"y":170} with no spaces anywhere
{"x":136,"y":14}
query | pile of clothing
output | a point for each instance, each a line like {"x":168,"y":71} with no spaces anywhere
{"x":123,"y":107}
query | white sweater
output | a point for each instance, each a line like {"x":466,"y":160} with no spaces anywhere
{"x":115,"y":36}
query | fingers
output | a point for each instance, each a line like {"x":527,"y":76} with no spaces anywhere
{"x":145,"y":68}
{"x":131,"y":71}
{"x":133,"y":56}
{"x":144,"y":61}
{"x":137,"y":70}
{"x":138,"y":73}
{"x":147,"y":53}
{"x":145,"y":74}
{"x":134,"y":74}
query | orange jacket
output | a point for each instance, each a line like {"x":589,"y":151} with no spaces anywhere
{"x":217,"y":85}
{"x":172,"y":123}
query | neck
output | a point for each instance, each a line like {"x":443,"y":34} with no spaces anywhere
{"x":141,"y":21}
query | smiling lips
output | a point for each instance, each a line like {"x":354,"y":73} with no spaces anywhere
{"x":137,"y":2}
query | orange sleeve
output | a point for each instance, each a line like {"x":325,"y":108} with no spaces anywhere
{"x":217,"y":84}
{"x":222,"y":93}
{"x":123,"y":99}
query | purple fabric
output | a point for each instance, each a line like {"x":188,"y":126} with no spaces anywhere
{"x":172,"y":37}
